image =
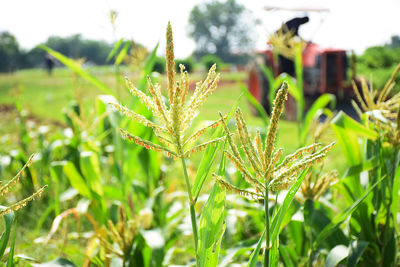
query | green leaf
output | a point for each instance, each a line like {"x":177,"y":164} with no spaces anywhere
{"x":268,"y":73}
{"x":10,"y":262}
{"x":122,"y":53}
{"x":364,"y":166}
{"x":206,"y":163}
{"x":274,"y":255}
{"x":341,"y":217}
{"x":76,"y":180}
{"x":254,"y":255}
{"x":209,"y":157}
{"x":396,"y":187}
{"x":114,"y":51}
{"x":155,"y":240}
{"x":344,"y":121}
{"x":5,"y":236}
{"x":285,"y":255}
{"x":260,"y":109}
{"x":90,"y":166}
{"x":77,"y":68}
{"x":298,"y":65}
{"x":212,"y":227}
{"x":349,"y":143}
{"x":336,"y":255}
{"x":56,"y":173}
{"x":58,"y":262}
{"x":278,"y":218}
{"x":356,"y":250}
{"x":318,"y":104}
{"x":390,"y":248}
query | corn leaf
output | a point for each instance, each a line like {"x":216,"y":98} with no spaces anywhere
{"x":254,"y":255}
{"x":364,"y":166}
{"x":285,"y":255}
{"x":58,"y":262}
{"x":269,"y":75}
{"x":279,"y":216}
{"x":212,"y":227}
{"x":209,"y":156}
{"x":357,"y":248}
{"x":319,"y":104}
{"x":77,"y":68}
{"x":349,"y":142}
{"x":298,"y":65}
{"x":341,"y":217}
{"x":10,"y":262}
{"x":90,"y":166}
{"x":274,"y":255}
{"x":336,"y":255}
{"x":5,"y":236}
{"x":122,"y":53}
{"x":395,"y":189}
{"x":260,"y":109}
{"x":76,"y":180}
{"x":344,"y":121}
{"x":114,"y":51}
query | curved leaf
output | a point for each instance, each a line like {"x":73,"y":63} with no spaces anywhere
{"x":254,"y":255}
{"x":5,"y":236}
{"x":77,"y":68}
{"x":260,"y":109}
{"x":318,"y":104}
{"x":341,"y":217}
{"x":76,"y":180}
{"x":356,"y":250}
{"x":212,"y":227}
{"x":336,"y":255}
{"x":278,"y":218}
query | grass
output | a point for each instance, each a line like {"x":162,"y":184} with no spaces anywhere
{"x":44,"y":98}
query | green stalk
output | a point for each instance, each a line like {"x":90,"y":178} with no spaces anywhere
{"x":267,"y":230}
{"x":191,"y":205}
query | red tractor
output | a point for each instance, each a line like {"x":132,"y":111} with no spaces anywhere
{"x":325,"y":70}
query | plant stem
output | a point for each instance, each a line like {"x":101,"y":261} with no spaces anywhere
{"x":267,"y":237}
{"x":191,"y":205}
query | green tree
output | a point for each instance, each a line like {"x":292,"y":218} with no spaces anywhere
{"x":75,"y":47}
{"x":221,"y":28}
{"x":9,"y":52}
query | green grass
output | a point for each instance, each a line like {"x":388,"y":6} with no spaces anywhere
{"x":44,"y":98}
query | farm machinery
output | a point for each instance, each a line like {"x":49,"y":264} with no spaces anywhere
{"x":325,"y":70}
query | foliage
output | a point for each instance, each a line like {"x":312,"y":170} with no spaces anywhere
{"x":7,"y":212}
{"x":187,"y":62}
{"x":367,"y":149}
{"x":159,"y":65}
{"x":209,"y":60}
{"x":380,"y":57}
{"x":9,"y":52}
{"x":266,"y":175}
{"x":221,"y":28}
{"x":378,"y":62}
{"x":75,"y":46}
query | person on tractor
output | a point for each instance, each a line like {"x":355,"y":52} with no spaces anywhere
{"x":293,"y":25}
{"x":285,"y":41}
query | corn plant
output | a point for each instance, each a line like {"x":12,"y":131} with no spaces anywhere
{"x":7,"y":212}
{"x":267,"y":174}
{"x":372,"y":147}
{"x":173,"y":122}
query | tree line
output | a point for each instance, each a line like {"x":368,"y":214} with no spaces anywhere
{"x":13,"y":57}
{"x":223,"y":29}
